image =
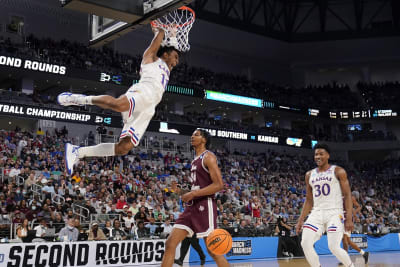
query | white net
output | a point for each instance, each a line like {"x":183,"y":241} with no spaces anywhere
{"x":182,"y":19}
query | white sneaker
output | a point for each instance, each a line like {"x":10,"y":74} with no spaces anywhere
{"x":71,"y":157}
{"x":69,"y":99}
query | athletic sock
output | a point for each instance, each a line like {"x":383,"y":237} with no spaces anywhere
{"x":100,"y":150}
{"x":362,"y":252}
{"x":86,"y":100}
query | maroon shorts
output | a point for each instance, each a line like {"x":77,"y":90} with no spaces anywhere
{"x":199,"y":218}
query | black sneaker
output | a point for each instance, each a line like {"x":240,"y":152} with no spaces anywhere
{"x":202,"y":261}
{"x":340,"y":264}
{"x":366,"y":257}
{"x":179,"y":262}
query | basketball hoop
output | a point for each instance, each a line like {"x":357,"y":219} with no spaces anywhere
{"x":183,"y":19}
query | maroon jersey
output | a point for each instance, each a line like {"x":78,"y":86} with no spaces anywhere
{"x":200,"y":177}
{"x":200,"y":215}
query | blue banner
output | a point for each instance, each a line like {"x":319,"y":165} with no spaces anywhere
{"x":266,"y":247}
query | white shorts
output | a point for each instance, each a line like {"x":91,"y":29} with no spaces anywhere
{"x":347,"y":233}
{"x":321,"y":221}
{"x":142,"y":105}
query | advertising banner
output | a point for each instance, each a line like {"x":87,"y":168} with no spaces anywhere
{"x":107,"y":253}
{"x":37,"y":112}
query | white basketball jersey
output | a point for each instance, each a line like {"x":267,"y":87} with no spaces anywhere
{"x":155,"y":76}
{"x":327,"y":193}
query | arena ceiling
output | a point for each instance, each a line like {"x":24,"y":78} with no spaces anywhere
{"x":305,"y":20}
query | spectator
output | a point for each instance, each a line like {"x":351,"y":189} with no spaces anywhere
{"x":142,"y":231}
{"x":22,"y":230}
{"x":41,"y":228}
{"x":58,"y":223}
{"x":151,"y":226}
{"x":96,"y":233}
{"x":118,"y":232}
{"x":129,"y":221}
{"x":141,"y":215}
{"x":69,"y":232}
{"x":134,"y":208}
{"x":109,"y":230}
{"x":121,"y":203}
{"x":167,"y":227}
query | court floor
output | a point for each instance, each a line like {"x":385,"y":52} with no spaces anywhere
{"x":383,"y":259}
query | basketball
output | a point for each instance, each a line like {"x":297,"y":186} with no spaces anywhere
{"x":219,"y":242}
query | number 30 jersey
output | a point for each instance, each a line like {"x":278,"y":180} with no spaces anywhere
{"x":155,"y":76}
{"x":327,"y":193}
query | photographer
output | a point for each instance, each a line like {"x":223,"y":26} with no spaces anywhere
{"x":282,"y":229}
{"x":287,"y":246}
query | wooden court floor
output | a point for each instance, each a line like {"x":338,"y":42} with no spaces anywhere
{"x":383,"y":259}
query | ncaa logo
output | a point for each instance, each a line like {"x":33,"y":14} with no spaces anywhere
{"x":1,"y":258}
{"x":99,"y":119}
{"x":107,"y":120}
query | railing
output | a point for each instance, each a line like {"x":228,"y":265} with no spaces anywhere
{"x":102,"y":218}
{"x":20,"y":180}
{"x":6,"y":226}
{"x":58,"y":199}
{"x":37,"y":190}
{"x":80,"y":211}
{"x":146,"y":142}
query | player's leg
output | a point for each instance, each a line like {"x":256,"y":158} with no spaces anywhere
{"x":345,"y":243}
{"x":74,"y":153}
{"x":334,"y":239}
{"x":176,"y":236}
{"x":107,"y":149}
{"x":120,"y":104}
{"x":183,"y":251}
{"x":355,"y":247}
{"x":136,"y":119}
{"x":311,"y":234}
{"x":194,"y":241}
{"x":220,"y":260}
{"x":335,"y":234}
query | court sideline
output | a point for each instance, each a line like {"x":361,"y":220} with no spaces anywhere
{"x":384,"y":259}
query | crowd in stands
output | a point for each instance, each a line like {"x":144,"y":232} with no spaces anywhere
{"x":136,"y":196}
{"x":381,"y":95}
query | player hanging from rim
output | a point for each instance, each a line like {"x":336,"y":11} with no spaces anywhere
{"x":137,"y":105}
{"x":346,"y":237}
{"x":326,"y":186}
{"x":200,"y":214}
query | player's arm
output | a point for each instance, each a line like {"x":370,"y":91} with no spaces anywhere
{"x":356,"y":204}
{"x":150,"y":54}
{"x":346,"y":191}
{"x":308,"y":204}
{"x":210,"y":162}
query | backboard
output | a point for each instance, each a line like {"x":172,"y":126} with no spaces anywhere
{"x":109,"y":20}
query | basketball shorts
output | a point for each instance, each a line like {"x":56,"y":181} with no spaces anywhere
{"x":199,"y":218}
{"x":321,"y":221}
{"x":142,"y":107}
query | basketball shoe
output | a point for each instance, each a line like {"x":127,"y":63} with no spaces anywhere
{"x":366,"y":257}
{"x":69,"y":99}
{"x":71,"y":157}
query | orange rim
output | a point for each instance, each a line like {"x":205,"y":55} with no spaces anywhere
{"x":154,"y":24}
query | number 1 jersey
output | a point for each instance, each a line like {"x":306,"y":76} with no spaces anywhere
{"x":327,"y":193}
{"x":155,"y":76}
